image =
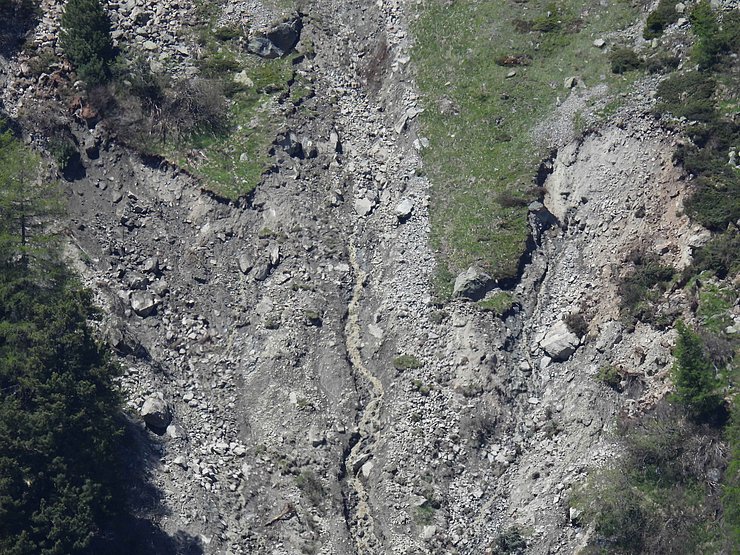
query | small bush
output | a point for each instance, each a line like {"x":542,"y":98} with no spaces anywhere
{"x":227,"y":33}
{"x":509,"y":542}
{"x":660,"y":18}
{"x":576,"y":323}
{"x":662,"y":63}
{"x":641,"y":290}
{"x":719,"y":255}
{"x":610,"y":376}
{"x":623,"y":60}
{"x":64,"y":152}
{"x":311,"y":487}
{"x":687,"y":95}
{"x":715,"y":39}
{"x":406,"y":362}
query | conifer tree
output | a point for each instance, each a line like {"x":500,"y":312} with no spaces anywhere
{"x":694,"y":376}
{"x":86,"y":39}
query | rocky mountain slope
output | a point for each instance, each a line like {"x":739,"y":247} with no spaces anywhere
{"x":303,"y":391}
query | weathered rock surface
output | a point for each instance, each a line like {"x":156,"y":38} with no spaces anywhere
{"x":560,"y":342}
{"x":472,"y":284}
{"x":156,"y":413}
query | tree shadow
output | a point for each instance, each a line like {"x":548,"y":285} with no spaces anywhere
{"x":17,"y":18}
{"x":134,"y":530}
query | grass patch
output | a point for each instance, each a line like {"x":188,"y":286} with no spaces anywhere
{"x":499,"y":303}
{"x":480,"y":123}
{"x":232,"y":162}
{"x":715,"y":303}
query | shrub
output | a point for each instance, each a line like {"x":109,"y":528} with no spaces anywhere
{"x":623,"y":60}
{"x":610,"y":376}
{"x":714,"y":204}
{"x":719,"y":255}
{"x":576,"y":323}
{"x":659,"y":19}
{"x":196,"y":107}
{"x":694,"y":376}
{"x":311,"y":486}
{"x":715,"y":39}
{"x":509,"y":542}
{"x":86,"y":39}
{"x":688,"y":95}
{"x":406,"y":362}
{"x":641,"y":289}
{"x":662,"y":63}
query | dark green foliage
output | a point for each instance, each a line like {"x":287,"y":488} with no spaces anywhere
{"x":576,"y":323}
{"x":715,"y":39}
{"x":731,"y":489}
{"x":719,"y":255}
{"x":311,"y":487}
{"x":58,"y":434}
{"x":659,"y":19}
{"x":662,"y":63}
{"x":406,"y":362}
{"x":509,"y":542}
{"x":610,"y":376}
{"x":623,"y":60}
{"x":694,"y":376}
{"x":63,"y":151}
{"x":715,"y":205}
{"x":227,"y":33}
{"x":655,"y":499}
{"x":641,"y":290}
{"x":86,"y":39}
{"x":687,"y":95}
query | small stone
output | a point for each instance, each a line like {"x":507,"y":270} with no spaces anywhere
{"x":428,"y":532}
{"x":364,"y":206}
{"x":471,"y":284}
{"x":366,"y":469}
{"x":599,"y":43}
{"x":574,"y":514}
{"x":143,"y":303}
{"x":245,"y":263}
{"x":511,"y":74}
{"x":404,"y":210}
{"x":181,"y":462}
{"x":242,"y":78}
{"x":150,"y":45}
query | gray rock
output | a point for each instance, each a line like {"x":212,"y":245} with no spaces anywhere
{"x":599,"y":43}
{"x":560,"y":342}
{"x":242,"y":78}
{"x":404,"y":210}
{"x":364,"y":206}
{"x":92,"y":150}
{"x":471,"y":284}
{"x":143,"y":303}
{"x":261,"y":272}
{"x":263,"y":48}
{"x":150,"y":45}
{"x":245,"y":263}
{"x":156,"y":413}
{"x":427,"y":533}
{"x":151,"y":265}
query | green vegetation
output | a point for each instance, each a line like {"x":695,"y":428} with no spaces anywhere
{"x":86,"y":39}
{"x":715,"y":304}
{"x":58,"y":432}
{"x":623,"y":60}
{"x":660,"y":18}
{"x":610,"y":376}
{"x":480,"y":123}
{"x":640,"y":291}
{"x":694,"y":376}
{"x":311,"y":487}
{"x":716,"y":38}
{"x":509,"y":542}
{"x":406,"y":362}
{"x":499,"y":303}
{"x":659,"y":497}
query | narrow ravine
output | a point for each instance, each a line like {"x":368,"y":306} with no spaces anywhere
{"x":362,"y":524}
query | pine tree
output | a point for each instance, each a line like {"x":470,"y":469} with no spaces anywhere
{"x":694,"y":376}
{"x":86,"y":39}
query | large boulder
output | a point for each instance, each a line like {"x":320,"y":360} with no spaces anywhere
{"x":559,"y":343}
{"x":472,"y":284}
{"x":143,"y":303}
{"x":156,"y":413}
{"x":279,"y":41}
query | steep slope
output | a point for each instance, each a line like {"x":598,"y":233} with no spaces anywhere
{"x":321,"y":401}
